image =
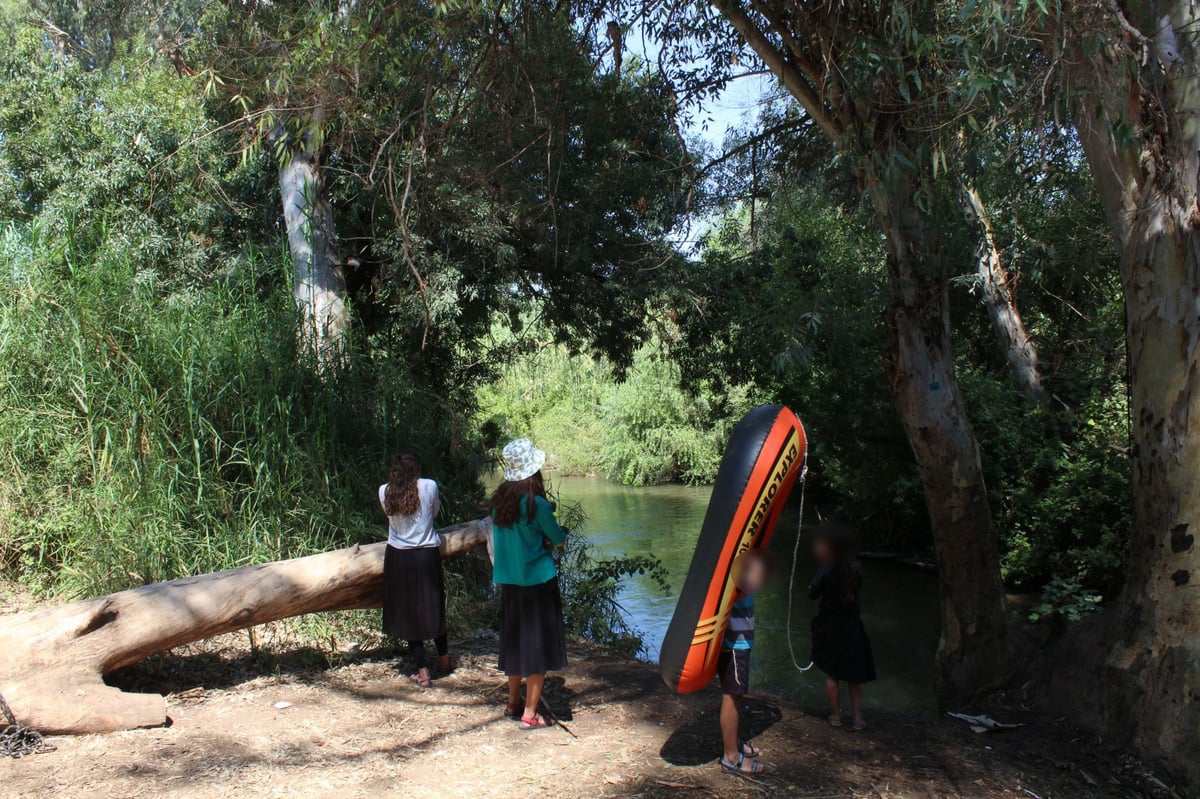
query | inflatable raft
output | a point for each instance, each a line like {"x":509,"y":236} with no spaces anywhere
{"x":765,"y":456}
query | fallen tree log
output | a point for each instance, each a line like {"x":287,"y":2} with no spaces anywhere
{"x":54,"y":660}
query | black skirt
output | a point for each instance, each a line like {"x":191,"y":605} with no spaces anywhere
{"x":414,"y":594}
{"x":841,"y":649}
{"x":533,"y":638}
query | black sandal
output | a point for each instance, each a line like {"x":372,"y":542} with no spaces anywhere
{"x":736,"y":768}
{"x":748,"y":749}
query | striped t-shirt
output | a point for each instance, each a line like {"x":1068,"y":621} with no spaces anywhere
{"x":740,"y":632}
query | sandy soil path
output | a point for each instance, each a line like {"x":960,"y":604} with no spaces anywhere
{"x":364,"y":730}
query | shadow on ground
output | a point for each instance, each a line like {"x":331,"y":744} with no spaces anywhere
{"x":699,"y":740}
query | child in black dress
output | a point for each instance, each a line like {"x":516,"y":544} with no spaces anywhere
{"x":841,"y":648}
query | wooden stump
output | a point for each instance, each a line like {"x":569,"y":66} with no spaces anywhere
{"x":54,"y":660}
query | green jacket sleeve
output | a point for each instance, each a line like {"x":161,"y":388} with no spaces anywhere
{"x":547,"y":524}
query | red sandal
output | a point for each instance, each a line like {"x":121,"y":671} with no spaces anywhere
{"x":535,"y":722}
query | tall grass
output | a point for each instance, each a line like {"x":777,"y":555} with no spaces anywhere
{"x":156,"y":418}
{"x":150,"y":431}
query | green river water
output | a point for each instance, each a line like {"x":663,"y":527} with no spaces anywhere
{"x":900,"y":604}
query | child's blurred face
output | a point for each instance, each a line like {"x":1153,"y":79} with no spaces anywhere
{"x":822,"y":551}
{"x":754,"y":575}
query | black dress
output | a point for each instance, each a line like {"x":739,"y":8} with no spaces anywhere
{"x":840,"y":646}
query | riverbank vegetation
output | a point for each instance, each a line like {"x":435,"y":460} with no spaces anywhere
{"x":159,"y":415}
{"x":249,"y":250}
{"x":791,"y":311}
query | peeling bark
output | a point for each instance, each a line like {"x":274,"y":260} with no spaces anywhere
{"x":1007,"y":324}
{"x":318,"y":281}
{"x":55,"y":659}
{"x":974,"y":653}
{"x":1139,"y":124}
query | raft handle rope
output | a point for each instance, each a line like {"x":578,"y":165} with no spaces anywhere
{"x":795,"y":561}
{"x":17,"y":740}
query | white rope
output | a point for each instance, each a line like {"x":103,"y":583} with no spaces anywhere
{"x":795,"y":561}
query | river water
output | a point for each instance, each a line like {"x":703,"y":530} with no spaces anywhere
{"x":900,"y":604}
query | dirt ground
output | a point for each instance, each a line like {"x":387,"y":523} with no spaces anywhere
{"x":255,"y":724}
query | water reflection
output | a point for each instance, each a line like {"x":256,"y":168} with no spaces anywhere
{"x":899,"y":604}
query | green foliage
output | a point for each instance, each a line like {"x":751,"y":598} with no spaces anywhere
{"x":155,"y":416}
{"x":1059,"y":474}
{"x":123,"y":166}
{"x":477,"y":162}
{"x":639,"y":429}
{"x":552,"y":397}
{"x":1065,"y":597}
{"x":149,"y":433}
{"x":658,"y":432}
{"x":1060,"y":485}
{"x":590,"y":587}
{"x":794,"y":306}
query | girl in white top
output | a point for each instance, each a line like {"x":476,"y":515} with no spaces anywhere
{"x":414,"y":531}
{"x":414,"y":592}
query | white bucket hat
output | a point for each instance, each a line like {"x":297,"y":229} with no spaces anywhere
{"x":522,"y":460}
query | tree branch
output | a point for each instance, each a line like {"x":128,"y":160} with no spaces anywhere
{"x":756,"y":139}
{"x":786,"y":71}
{"x":799,"y":56}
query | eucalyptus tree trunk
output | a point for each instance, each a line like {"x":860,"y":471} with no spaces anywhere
{"x":1147,"y":674}
{"x":974,"y":653}
{"x":319,"y":284}
{"x":993,"y":284}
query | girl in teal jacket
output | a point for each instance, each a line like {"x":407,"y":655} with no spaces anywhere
{"x":533,"y":637}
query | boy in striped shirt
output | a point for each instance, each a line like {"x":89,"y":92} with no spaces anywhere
{"x":733,"y":664}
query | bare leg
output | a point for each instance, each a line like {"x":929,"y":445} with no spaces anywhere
{"x":514,"y":691}
{"x":835,"y":704}
{"x":730,"y":706}
{"x":856,"y":695}
{"x":533,"y":693}
{"x":729,"y":726}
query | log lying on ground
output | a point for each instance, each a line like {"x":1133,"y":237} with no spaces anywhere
{"x":53,"y":661}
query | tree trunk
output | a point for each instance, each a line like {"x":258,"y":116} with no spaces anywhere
{"x":974,"y":653}
{"x":1006,"y":320}
{"x":319,"y":284}
{"x":55,"y":659}
{"x":1145,"y":683}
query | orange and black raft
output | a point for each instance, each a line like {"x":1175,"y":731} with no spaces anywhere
{"x":765,"y":456}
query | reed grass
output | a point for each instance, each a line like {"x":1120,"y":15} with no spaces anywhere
{"x":150,"y":430}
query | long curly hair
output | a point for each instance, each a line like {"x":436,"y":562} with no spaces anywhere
{"x":402,"y":497}
{"x":505,"y":503}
